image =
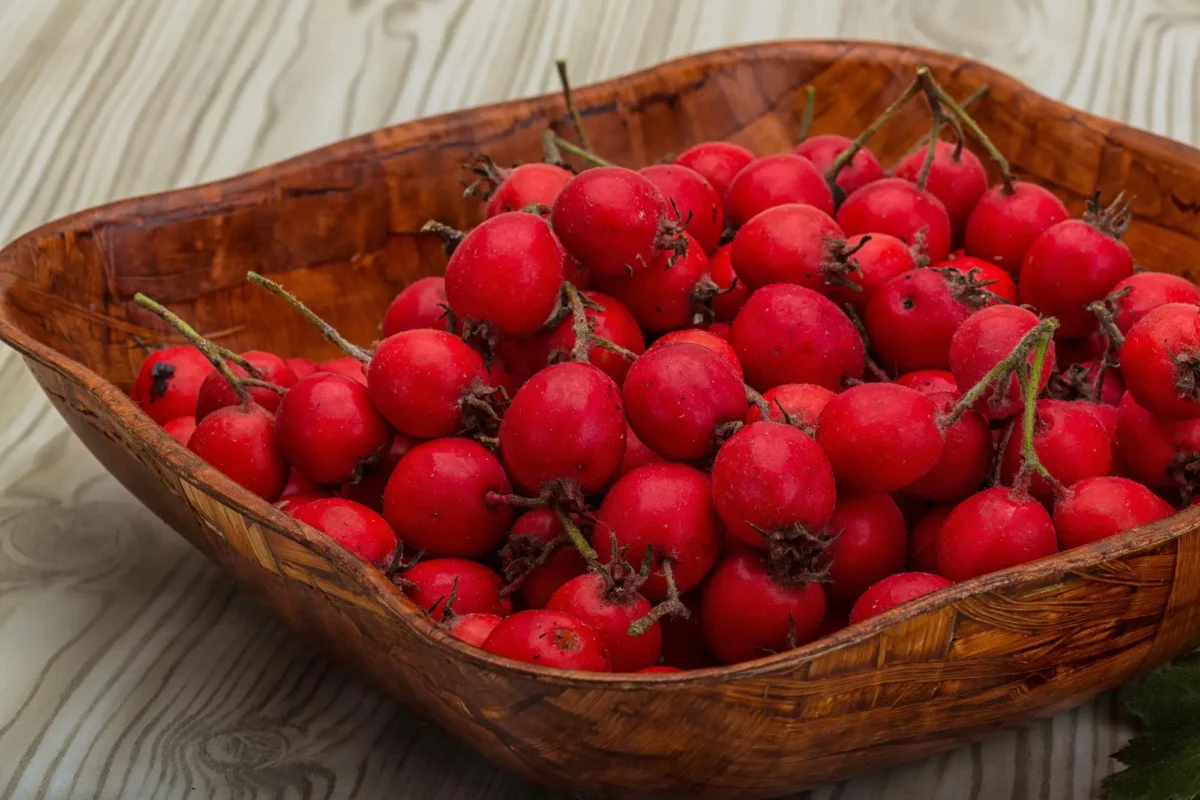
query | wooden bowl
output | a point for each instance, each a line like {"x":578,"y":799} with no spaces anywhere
{"x":339,"y":227}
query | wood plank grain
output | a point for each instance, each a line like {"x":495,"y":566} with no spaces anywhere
{"x":142,"y":671}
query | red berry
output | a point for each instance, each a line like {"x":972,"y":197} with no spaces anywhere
{"x":1146,"y":292}
{"x":991,"y":531}
{"x":677,"y":396}
{"x":566,"y":423}
{"x":350,"y":367}
{"x":705,"y":339}
{"x":609,"y":612}
{"x":870,"y":543}
{"x":922,"y":547}
{"x":912,"y":318}
{"x":530,"y":535}
{"x":1070,"y":265}
{"x":799,"y":404}
{"x":733,"y":291}
{"x":774,"y":181}
{"x":180,"y":429}
{"x":437,"y":499}
{"x":1152,"y":449}
{"x":868,"y":261}
{"x":789,"y":334}
{"x":613,"y":220}
{"x":507,"y":273}
{"x":786,"y":244}
{"x":549,"y":639}
{"x":355,"y":527}
{"x":1096,"y":508}
{"x":772,"y":479}
{"x":1071,"y":442}
{"x":699,"y":206}
{"x":614,"y":323}
{"x":982,"y":342}
{"x":1075,"y":351}
{"x":239,"y":441}
{"x":168,"y":382}
{"x":664,"y":296}
{"x":893,"y":591}
{"x":716,"y":162}
{"x":1078,"y":382}
{"x":823,"y":150}
{"x":472,"y":628}
{"x":720,"y":329}
{"x":216,"y":392}
{"x":636,"y":453}
{"x":430,"y":582}
{"x":418,"y":379}
{"x":929,"y":381}
{"x":747,"y":614}
{"x":535,"y":183}
{"x":879,"y":437}
{"x":328,"y":429}
{"x":1108,"y":418}
{"x":998,"y":282}
{"x":965,"y":461}
{"x":667,"y":508}
{"x":1160,"y":361}
{"x":957,"y":182}
{"x":1004,"y":224}
{"x":302,"y":367}
{"x":896,"y":207}
{"x":421,"y":304}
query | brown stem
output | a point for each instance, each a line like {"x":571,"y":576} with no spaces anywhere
{"x":581,"y":325}
{"x":569,"y":99}
{"x":210,"y":351}
{"x":759,"y":402}
{"x":1001,"y":373}
{"x":451,"y":237}
{"x":672,"y":605}
{"x":324,"y":327}
{"x":548,"y":551}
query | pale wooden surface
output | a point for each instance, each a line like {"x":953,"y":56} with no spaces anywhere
{"x":129,"y":666}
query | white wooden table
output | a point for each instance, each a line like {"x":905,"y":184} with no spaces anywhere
{"x":131,"y":667}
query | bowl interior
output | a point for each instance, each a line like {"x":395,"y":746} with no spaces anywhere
{"x":339,"y":226}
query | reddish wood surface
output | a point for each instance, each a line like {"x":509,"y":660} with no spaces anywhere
{"x":338,"y":226}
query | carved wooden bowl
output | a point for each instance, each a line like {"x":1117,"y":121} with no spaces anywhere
{"x":339,"y":227}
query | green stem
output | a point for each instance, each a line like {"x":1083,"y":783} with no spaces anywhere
{"x":552,"y":155}
{"x":324,"y":327}
{"x":451,"y":237}
{"x":969,"y":101}
{"x":672,"y":605}
{"x":1006,"y":175}
{"x":806,"y":118}
{"x":210,"y":351}
{"x":1002,"y":372}
{"x":861,"y":140}
{"x":581,"y":152}
{"x":569,"y":99}
{"x":577,"y":538}
{"x":1029,"y":457}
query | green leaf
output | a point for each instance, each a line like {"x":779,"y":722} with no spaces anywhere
{"x":1163,"y":759}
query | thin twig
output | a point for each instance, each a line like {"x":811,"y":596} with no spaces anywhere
{"x":569,"y":99}
{"x":206,"y":347}
{"x":324,"y":327}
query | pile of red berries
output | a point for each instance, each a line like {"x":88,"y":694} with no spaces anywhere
{"x":716,"y":408}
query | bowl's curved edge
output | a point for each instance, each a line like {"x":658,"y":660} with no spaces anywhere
{"x":1103,"y":561}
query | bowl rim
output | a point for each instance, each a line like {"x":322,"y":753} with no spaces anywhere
{"x":200,"y":475}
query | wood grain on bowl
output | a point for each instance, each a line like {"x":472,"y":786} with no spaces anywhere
{"x":339,"y":227}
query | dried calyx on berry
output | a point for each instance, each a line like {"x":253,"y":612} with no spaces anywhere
{"x":1111,"y":220}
